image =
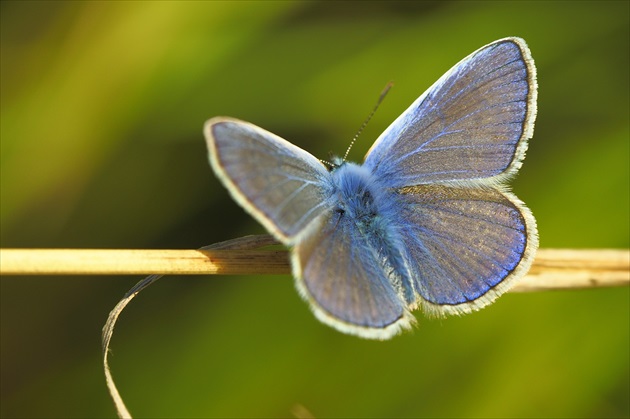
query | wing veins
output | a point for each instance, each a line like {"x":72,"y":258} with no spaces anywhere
{"x":443,"y":133}
{"x":420,"y":244}
{"x":470,"y":248}
{"x":288,"y":199}
{"x":468,"y":90}
{"x":441,"y":209}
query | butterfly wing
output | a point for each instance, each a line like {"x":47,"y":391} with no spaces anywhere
{"x":466,"y":238}
{"x":340,"y":273}
{"x":337,"y":269}
{"x":473,"y":123}
{"x":465,"y":246}
{"x":281,"y":185}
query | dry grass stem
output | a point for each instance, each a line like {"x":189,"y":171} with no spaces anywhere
{"x":552,"y":269}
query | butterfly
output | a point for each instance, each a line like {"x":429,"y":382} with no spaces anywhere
{"x":426,"y":222}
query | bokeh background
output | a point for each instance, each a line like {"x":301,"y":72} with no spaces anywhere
{"x":102,"y":107}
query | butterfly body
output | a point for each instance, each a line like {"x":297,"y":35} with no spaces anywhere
{"x":425,"y":222}
{"x":372,"y":208}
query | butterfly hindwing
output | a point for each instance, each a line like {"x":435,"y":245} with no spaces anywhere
{"x":465,"y":246}
{"x":340,"y":273}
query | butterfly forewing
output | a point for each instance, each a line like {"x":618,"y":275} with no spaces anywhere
{"x":281,"y":185}
{"x":473,"y":123}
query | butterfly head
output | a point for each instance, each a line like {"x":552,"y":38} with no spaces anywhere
{"x":357,"y":192}
{"x":334,"y":163}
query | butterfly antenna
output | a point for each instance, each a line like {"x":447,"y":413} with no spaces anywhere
{"x":378,"y":103}
{"x":327,"y":163}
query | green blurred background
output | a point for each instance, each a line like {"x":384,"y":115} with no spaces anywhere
{"x":102,"y":107}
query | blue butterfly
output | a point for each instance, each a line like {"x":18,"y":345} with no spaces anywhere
{"x":426,"y":221}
